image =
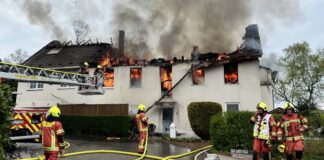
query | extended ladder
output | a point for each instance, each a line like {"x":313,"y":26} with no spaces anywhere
{"x":24,"y":73}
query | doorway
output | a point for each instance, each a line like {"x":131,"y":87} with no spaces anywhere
{"x":167,"y":119}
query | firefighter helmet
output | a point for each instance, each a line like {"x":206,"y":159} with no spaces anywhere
{"x":263,"y":106}
{"x":54,"y":111}
{"x":288,"y":105}
{"x":99,"y":66}
{"x":141,"y":107}
{"x":281,"y":148}
{"x":86,"y":64}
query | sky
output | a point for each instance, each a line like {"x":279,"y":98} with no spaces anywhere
{"x":151,"y":26}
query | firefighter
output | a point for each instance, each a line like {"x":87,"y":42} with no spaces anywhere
{"x":84,"y":69}
{"x":142,"y":126}
{"x":264,"y":132}
{"x":52,"y":134}
{"x":290,"y":131}
{"x":99,"y":76}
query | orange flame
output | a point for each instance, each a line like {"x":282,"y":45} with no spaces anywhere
{"x":131,"y":61}
{"x":106,"y":61}
{"x":222,"y":57}
{"x":197,"y":76}
{"x":166,"y":79}
{"x":136,"y":73}
{"x":109,"y":82}
{"x":231,"y":77}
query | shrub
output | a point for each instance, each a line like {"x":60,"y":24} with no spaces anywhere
{"x":96,"y":125}
{"x":200,"y":114}
{"x":5,"y":112}
{"x":233,"y":130}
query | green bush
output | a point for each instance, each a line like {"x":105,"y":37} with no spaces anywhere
{"x":96,"y":125}
{"x":232,"y":131}
{"x":5,"y":113}
{"x":200,"y":114}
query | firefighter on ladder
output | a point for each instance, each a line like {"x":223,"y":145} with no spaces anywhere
{"x":264,"y":131}
{"x":142,"y":126}
{"x":290,"y":129}
{"x":52,"y":134}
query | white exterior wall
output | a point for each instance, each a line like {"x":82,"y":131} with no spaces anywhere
{"x":266,"y":88}
{"x":247,"y":92}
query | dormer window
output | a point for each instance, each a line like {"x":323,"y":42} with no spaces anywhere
{"x":54,"y":51}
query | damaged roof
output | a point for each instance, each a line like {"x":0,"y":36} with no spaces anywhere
{"x":56,"y":54}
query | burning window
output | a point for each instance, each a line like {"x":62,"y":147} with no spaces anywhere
{"x":198,"y":76}
{"x":230,"y":73}
{"x":166,"y":79}
{"x":136,"y":77}
{"x":109,"y":78}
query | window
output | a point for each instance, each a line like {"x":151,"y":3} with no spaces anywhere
{"x":198,"y":76}
{"x":65,"y":86}
{"x":232,"y":107}
{"x":109,"y":75}
{"x":36,"y":119}
{"x":36,"y":85}
{"x":54,"y":51}
{"x":231,"y":73}
{"x":136,"y":77}
{"x":166,"y":79}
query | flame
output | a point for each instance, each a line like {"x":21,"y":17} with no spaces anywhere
{"x":109,"y":82}
{"x":136,"y":73}
{"x":106,"y":60}
{"x":231,"y":77}
{"x":197,"y":76}
{"x":131,"y":61}
{"x":166,"y":79}
{"x":222,"y":57}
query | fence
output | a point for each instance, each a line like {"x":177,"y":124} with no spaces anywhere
{"x":94,"y":109}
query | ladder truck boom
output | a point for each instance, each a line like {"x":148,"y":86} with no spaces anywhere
{"x":22,"y":73}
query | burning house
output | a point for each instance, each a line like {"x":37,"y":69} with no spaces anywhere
{"x":235,"y":80}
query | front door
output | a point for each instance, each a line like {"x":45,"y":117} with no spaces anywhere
{"x":167,"y":119}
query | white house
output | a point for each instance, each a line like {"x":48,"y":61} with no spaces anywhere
{"x":235,"y":80}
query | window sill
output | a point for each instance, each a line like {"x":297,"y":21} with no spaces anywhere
{"x":65,"y":88}
{"x":38,"y":89}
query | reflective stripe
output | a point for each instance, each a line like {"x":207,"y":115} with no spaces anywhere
{"x":60,"y":131}
{"x":273,"y":133}
{"x":305,"y":126}
{"x":61,"y":145}
{"x":51,"y":148}
{"x":296,"y":138}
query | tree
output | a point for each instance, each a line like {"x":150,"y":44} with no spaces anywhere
{"x":5,"y":113}
{"x":81,"y":30}
{"x":302,"y":81}
{"x":19,"y":56}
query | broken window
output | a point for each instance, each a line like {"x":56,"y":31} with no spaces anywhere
{"x":109,"y":78}
{"x":198,"y":76}
{"x":166,"y":79}
{"x":231,"y":73}
{"x":136,"y":77}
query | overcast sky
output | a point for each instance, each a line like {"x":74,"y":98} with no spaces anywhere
{"x":23,"y":25}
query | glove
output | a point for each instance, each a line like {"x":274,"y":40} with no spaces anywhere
{"x":62,"y":152}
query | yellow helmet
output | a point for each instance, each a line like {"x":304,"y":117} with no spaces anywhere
{"x":54,"y":111}
{"x":141,"y":107}
{"x":86,"y":64}
{"x":288,"y":105}
{"x":281,"y":148}
{"x":263,"y":106}
{"x":99,"y":66}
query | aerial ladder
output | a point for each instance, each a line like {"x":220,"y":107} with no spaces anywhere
{"x":22,"y":73}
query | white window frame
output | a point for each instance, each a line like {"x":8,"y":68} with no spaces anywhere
{"x":229,"y":103}
{"x":65,"y":86}
{"x":34,"y":86}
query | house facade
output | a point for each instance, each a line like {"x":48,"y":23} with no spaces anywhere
{"x":237,"y":82}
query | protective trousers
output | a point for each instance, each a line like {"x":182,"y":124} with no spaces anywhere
{"x":142,"y":142}
{"x":51,"y":155}
{"x":261,"y":146}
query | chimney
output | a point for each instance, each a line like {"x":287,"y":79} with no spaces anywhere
{"x":121,"y":42}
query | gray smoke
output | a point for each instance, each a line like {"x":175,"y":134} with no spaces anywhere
{"x":40,"y":13}
{"x":213,"y":25}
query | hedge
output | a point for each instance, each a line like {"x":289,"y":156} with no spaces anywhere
{"x":200,"y":114}
{"x":231,"y":131}
{"x":96,"y":125}
{"x":6,"y":104}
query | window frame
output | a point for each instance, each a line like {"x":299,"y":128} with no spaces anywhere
{"x":130,"y":78}
{"x":233,"y":103}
